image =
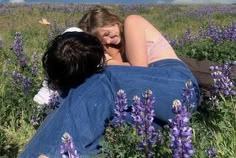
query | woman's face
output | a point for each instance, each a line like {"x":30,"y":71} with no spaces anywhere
{"x":109,"y":35}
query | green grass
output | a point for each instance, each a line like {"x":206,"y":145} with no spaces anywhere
{"x":212,"y":126}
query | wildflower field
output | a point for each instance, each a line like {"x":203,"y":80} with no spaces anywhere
{"x":198,"y":31}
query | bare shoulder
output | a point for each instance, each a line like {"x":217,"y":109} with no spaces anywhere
{"x":133,"y":19}
{"x":137,"y":22}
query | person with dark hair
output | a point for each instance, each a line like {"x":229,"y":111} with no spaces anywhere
{"x":73,"y":57}
{"x":74,"y":65}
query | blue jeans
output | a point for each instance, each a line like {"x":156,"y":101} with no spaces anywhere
{"x":86,"y":110}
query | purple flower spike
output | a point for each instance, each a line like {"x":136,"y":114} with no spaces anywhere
{"x":17,"y":77}
{"x":181,"y":133}
{"x":143,"y":116}
{"x":67,"y":149}
{"x":120,"y":108}
{"x":34,"y":70}
{"x":26,"y":84}
{"x":23,"y":61}
{"x":222,"y":83}
{"x":18,"y":50}
{"x":211,"y":152}
{"x":54,"y":101}
{"x":18,"y":44}
{"x":35,"y":120}
{"x":176,"y":108}
{"x":188,"y":93}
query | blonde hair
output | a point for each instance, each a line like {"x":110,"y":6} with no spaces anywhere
{"x":99,"y":16}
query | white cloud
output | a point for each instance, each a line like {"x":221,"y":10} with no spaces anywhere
{"x":16,"y":1}
{"x":203,"y":1}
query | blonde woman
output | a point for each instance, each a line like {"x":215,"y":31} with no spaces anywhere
{"x":132,"y":41}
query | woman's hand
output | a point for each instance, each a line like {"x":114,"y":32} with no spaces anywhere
{"x":111,"y":61}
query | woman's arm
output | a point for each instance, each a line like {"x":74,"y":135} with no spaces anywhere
{"x":135,"y":40}
{"x":116,"y":62}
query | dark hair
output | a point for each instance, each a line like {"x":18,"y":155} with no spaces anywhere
{"x":71,"y":58}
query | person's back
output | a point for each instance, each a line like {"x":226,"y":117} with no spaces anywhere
{"x":90,"y":101}
{"x":83,"y":114}
{"x":87,"y":109}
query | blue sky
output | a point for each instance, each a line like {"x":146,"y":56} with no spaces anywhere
{"x":129,"y":1}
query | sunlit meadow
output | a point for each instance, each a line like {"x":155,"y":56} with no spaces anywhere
{"x":198,"y":31}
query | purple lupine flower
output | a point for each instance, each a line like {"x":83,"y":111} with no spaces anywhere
{"x":23,"y":61}
{"x":211,"y":152}
{"x":67,"y":149}
{"x":181,"y":133}
{"x":35,"y":120}
{"x":17,"y":77}
{"x":220,"y":34}
{"x":18,"y":44}
{"x":210,"y":10}
{"x":187,"y":36}
{"x":180,"y":42}
{"x":222,"y":83}
{"x":18,"y":50}
{"x":214,"y":33}
{"x":143,"y":115}
{"x":120,"y":108}
{"x":173,"y":42}
{"x":188,"y":93}
{"x":229,"y":33}
{"x":34,"y":69}
{"x":34,"y":57}
{"x":26,"y":84}
{"x":45,"y":109}
{"x":54,"y":101}
{"x":136,"y":111}
{"x":232,"y":31}
{"x":214,"y":100}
